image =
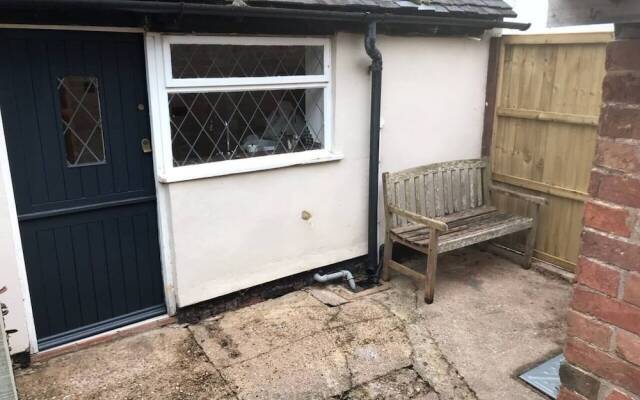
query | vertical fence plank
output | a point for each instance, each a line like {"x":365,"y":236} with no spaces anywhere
{"x":550,"y":156}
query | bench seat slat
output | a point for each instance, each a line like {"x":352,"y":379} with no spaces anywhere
{"x":470,"y":237}
{"x":419,"y":232}
{"x":454,"y":226}
{"x":461,"y":216}
{"x":452,"y":220}
{"x":464,"y":231}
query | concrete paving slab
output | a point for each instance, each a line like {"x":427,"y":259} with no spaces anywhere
{"x":311,"y":368}
{"x":165,"y":363}
{"x":490,"y":318}
{"x":358,"y":311}
{"x":398,"y":385}
{"x":327,"y":297}
{"x":345,"y":292}
{"x":428,"y":360}
{"x":244,"y":334}
{"x":431,"y":364}
{"x":374,"y":348}
{"x":297,"y":346}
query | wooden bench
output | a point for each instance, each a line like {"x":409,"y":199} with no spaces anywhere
{"x":442,"y":207}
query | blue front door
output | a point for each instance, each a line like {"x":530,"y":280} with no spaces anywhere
{"x":74,"y":108}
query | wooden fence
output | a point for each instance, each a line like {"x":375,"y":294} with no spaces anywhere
{"x":547,"y":103}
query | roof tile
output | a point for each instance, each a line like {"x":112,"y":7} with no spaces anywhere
{"x":465,"y":8}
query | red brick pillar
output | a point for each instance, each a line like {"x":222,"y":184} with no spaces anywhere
{"x":603,"y":334}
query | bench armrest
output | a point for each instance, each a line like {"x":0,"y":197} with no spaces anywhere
{"x":539,"y":200}
{"x":430,"y":222}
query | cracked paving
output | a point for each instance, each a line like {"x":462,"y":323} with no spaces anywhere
{"x":314,"y":344}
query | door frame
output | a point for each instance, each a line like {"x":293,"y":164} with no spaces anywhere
{"x":7,"y":181}
{"x":165,"y":236}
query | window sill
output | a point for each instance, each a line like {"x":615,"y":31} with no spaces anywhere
{"x":231,"y":167}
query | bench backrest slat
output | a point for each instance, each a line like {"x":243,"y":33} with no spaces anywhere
{"x":438,"y":190}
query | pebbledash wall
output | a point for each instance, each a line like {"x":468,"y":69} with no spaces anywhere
{"x":603,"y":344}
{"x":233,"y":232}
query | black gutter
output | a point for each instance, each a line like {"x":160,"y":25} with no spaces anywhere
{"x":184,"y":8}
{"x":374,"y":149}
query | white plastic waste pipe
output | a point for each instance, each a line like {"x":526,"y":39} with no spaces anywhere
{"x":337,"y":275}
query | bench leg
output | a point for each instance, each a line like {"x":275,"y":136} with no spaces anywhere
{"x":531,"y":238}
{"x":388,"y":252}
{"x":528,"y":249}
{"x":432,"y":266}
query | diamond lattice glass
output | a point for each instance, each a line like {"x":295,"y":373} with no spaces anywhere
{"x":217,"y":126}
{"x":234,"y":61}
{"x":81,"y":120}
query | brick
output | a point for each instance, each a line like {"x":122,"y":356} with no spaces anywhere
{"x":632,"y":289}
{"x":619,"y":156}
{"x":621,"y":87}
{"x":616,"y":395}
{"x":619,"y":122}
{"x":589,"y":329}
{"x":594,"y":182}
{"x":628,"y":346}
{"x":621,"y":190}
{"x":607,"y":219}
{"x":566,"y":394}
{"x":579,"y":382}
{"x":597,"y":276}
{"x":612,"y":369}
{"x":623,"y":55}
{"x":611,"y":251}
{"x":606,"y":309}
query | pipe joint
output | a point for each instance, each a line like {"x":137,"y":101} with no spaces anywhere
{"x":344,"y":274}
{"x":370,"y":47}
{"x":376,"y":65}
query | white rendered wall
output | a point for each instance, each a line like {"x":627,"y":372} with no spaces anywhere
{"x":9,"y":276}
{"x":433,"y":96}
{"x":238,"y":231}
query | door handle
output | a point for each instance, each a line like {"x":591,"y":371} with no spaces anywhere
{"x":146,"y":145}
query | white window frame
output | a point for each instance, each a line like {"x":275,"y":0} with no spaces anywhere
{"x":162,"y":83}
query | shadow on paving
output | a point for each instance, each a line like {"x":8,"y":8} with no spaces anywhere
{"x":489,"y":318}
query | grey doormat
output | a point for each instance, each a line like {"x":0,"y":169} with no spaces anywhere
{"x":546,"y":376}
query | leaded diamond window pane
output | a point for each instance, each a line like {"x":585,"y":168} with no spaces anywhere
{"x":234,"y":61}
{"x":81,"y":120}
{"x":217,"y":126}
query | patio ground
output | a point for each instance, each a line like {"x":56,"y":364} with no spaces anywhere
{"x":490,"y":318}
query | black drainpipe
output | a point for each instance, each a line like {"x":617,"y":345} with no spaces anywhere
{"x":374,"y":148}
